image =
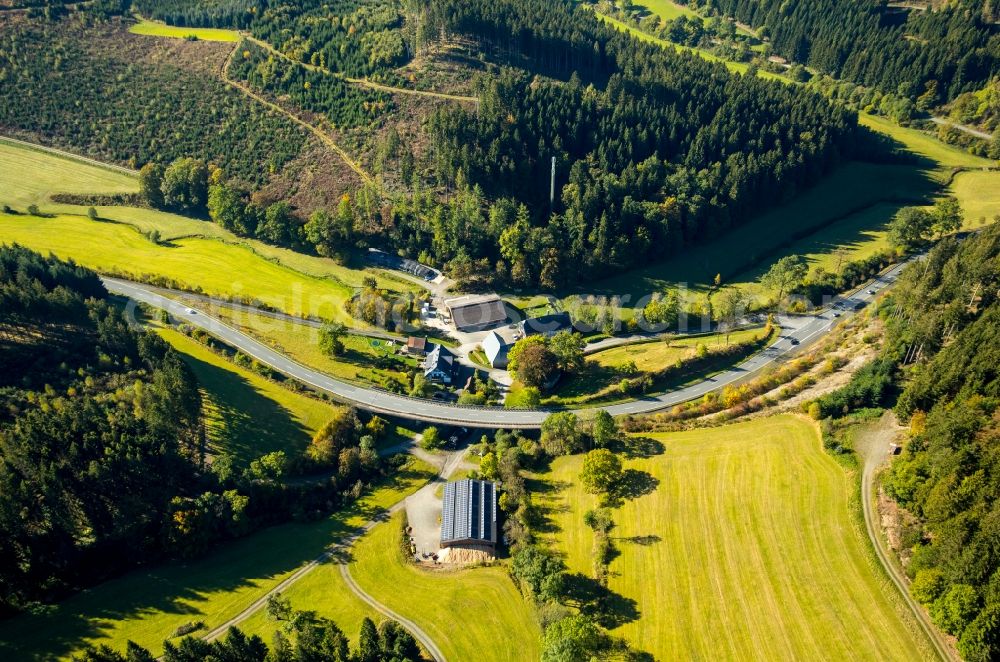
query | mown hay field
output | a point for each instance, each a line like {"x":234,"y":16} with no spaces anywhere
{"x":749,"y":546}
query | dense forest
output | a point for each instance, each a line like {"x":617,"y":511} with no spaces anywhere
{"x":932,"y":56}
{"x":59,"y":81}
{"x":99,"y":429}
{"x":946,"y":314}
{"x":653,"y":149}
{"x":102,"y":458}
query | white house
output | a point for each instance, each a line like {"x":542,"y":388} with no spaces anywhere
{"x":496,"y":350}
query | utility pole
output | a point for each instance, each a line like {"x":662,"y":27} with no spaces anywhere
{"x":552,"y":187}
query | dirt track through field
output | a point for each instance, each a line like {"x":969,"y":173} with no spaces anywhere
{"x":872,"y":446}
{"x":448,"y":464}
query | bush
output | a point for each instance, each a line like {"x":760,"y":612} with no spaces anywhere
{"x":431,"y":439}
{"x":928,"y":586}
{"x":188,"y":628}
{"x":871,"y":386}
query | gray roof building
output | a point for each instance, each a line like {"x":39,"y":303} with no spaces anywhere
{"x":472,"y":312}
{"x":469,"y":514}
{"x":439,"y":366}
{"x":547,"y":325}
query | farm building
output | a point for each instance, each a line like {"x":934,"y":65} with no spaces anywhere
{"x":496,"y":350}
{"x":476,"y":312}
{"x":469,"y":516}
{"x":546,"y":325}
{"x":439,"y":366}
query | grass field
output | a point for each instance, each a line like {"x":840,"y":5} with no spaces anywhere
{"x":301,"y":342}
{"x":598,"y":383}
{"x":667,"y":10}
{"x":215,"y":267}
{"x":847,"y":209}
{"x":979,"y":193}
{"x":748,"y":548}
{"x":196,"y":252}
{"x":496,"y":622}
{"x":650,"y":356}
{"x":325,"y":592}
{"x":922,"y":144}
{"x":245,"y":414}
{"x":146,"y":606}
{"x":154,"y":29}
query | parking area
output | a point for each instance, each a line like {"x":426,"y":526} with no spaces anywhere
{"x":423,"y":507}
{"x":423,"y":511}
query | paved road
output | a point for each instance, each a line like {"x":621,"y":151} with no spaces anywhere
{"x":798,"y":332}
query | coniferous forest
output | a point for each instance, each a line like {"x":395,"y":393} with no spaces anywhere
{"x":936,"y":54}
{"x":653,"y":150}
{"x":949,"y":474}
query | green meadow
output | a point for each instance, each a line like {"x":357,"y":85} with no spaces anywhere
{"x":744,"y":544}
{"x":191,"y":253}
{"x":156,"y":29}
{"x":246,"y":415}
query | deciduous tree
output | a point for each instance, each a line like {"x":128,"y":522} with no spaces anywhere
{"x":601,"y":470}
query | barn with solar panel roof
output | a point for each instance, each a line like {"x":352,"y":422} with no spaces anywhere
{"x":469,"y":518}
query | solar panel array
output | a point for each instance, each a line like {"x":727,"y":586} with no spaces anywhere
{"x":469,"y":512}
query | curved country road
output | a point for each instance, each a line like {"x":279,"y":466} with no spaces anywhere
{"x":873,"y":446}
{"x":421,"y":636}
{"x":798,"y":332}
{"x":336,"y":553}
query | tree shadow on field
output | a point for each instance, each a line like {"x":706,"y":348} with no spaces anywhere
{"x":645,"y":541}
{"x":185,"y":590}
{"x":608,"y":608}
{"x":638,"y":447}
{"x":245,"y":422}
{"x":547,"y":505}
{"x":632,"y":485}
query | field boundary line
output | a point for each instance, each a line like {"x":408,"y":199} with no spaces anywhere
{"x":364,"y":82}
{"x":68,"y":155}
